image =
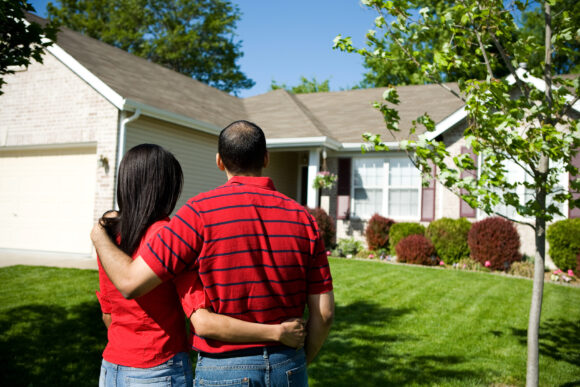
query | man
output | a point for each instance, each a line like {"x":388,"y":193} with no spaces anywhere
{"x":259,"y":256}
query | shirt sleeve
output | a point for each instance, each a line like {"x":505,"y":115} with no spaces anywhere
{"x":177,"y":245}
{"x":191,"y":293}
{"x":319,"y":277}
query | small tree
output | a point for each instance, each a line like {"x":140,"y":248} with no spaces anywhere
{"x":509,"y":120}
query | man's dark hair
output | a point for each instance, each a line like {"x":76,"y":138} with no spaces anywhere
{"x":242,"y":147}
{"x":149,"y":184}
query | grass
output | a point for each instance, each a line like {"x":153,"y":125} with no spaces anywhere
{"x":395,"y":325}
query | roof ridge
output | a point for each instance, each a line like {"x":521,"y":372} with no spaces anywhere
{"x":319,"y":125}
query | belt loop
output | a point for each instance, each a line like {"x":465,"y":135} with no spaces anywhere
{"x":265,"y":352}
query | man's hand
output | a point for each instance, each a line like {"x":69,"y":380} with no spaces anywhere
{"x":293,"y":333}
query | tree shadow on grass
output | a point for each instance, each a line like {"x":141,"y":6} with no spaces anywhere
{"x":358,"y":354}
{"x":42,"y":345}
{"x":559,"y":339}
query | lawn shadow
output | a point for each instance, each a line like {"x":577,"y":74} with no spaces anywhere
{"x":559,"y":339}
{"x":358,"y":354}
{"x":46,"y":345}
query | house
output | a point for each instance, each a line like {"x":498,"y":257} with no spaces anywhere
{"x":66,"y":123}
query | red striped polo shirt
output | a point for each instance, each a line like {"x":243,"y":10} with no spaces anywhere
{"x":258,"y":253}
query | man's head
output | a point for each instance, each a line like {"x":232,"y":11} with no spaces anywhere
{"x":242,"y":149}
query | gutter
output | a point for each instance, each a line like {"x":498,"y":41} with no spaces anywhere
{"x":121,"y":145}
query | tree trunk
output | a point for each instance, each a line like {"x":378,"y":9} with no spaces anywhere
{"x":533,"y":368}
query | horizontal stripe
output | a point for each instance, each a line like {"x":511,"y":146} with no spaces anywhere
{"x":242,"y":193}
{"x":260,"y":235}
{"x":256,"y":220}
{"x":283,"y":307}
{"x":252,"y":282}
{"x":321,"y":281}
{"x":252,"y":251}
{"x":190,"y":226}
{"x":251,"y":267}
{"x":319,"y":267}
{"x":250,"y":206}
{"x":274,"y":295}
{"x":182,"y":240}
{"x":160,"y":260}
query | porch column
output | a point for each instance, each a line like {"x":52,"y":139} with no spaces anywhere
{"x":313,"y":168}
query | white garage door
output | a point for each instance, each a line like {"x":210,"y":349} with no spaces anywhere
{"x":47,"y":199}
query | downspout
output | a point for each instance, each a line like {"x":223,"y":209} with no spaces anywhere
{"x":121,"y":142}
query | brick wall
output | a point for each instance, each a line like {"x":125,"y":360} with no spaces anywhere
{"x":47,"y":104}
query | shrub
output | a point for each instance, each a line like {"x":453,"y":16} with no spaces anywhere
{"x":577,"y":265}
{"x":564,"y":240}
{"x":325,"y":225}
{"x":377,"y":232}
{"x":494,"y":240}
{"x":349,"y":246}
{"x":449,"y":236}
{"x":399,"y":231}
{"x":416,"y":249}
{"x":523,"y":269}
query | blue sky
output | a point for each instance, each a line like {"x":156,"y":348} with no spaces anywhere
{"x":283,"y":40}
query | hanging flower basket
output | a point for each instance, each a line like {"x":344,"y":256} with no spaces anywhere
{"x":324,"y":179}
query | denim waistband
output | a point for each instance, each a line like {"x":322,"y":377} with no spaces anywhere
{"x":254,"y":351}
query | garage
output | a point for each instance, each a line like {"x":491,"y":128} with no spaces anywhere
{"x":47,"y":199}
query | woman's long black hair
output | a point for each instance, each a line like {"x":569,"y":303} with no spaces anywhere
{"x":149,"y":184}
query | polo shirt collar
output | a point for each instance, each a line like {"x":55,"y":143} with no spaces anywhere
{"x":258,"y":181}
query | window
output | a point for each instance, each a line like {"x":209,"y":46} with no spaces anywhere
{"x":390,"y":187}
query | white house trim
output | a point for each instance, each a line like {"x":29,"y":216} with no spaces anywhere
{"x":298,"y":142}
{"x":313,"y":167}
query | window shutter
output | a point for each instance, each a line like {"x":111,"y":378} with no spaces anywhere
{"x":465,"y":209}
{"x":428,"y":197}
{"x":574,"y":212}
{"x":343,"y":189}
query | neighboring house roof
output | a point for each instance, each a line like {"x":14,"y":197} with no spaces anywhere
{"x":332,"y":119}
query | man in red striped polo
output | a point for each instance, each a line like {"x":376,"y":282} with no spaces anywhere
{"x":258,"y":254}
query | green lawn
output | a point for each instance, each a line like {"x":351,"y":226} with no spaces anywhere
{"x":395,"y":325}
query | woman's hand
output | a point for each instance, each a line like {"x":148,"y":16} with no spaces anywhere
{"x":293,"y":332}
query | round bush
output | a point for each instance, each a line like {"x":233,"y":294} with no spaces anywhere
{"x":416,"y":249}
{"x":564,"y":239}
{"x":495,"y":240}
{"x":399,"y":231}
{"x":377,"y":232}
{"x":449,"y":236}
{"x":325,"y":226}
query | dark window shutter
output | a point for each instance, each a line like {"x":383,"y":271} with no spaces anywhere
{"x":343,"y":189}
{"x":575,"y":212}
{"x":428,"y":197}
{"x":465,"y":209}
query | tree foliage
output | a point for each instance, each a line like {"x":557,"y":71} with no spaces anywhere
{"x":524,"y":120}
{"x":305,"y":86}
{"x":195,"y":38}
{"x":20,"y":41}
{"x":391,"y":70}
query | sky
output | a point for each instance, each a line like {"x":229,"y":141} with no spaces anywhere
{"x":283,"y":40}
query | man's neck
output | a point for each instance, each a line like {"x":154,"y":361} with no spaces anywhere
{"x":248,"y":174}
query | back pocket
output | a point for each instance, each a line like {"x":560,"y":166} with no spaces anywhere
{"x":162,"y":381}
{"x":297,"y":376}
{"x":217,"y":383}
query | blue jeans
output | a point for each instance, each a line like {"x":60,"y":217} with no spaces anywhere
{"x":274,"y":367}
{"x":176,"y":371}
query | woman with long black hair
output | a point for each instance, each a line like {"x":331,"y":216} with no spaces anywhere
{"x":147,"y":337}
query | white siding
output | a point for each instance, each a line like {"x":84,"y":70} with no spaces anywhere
{"x":283,"y":170}
{"x":195,"y":151}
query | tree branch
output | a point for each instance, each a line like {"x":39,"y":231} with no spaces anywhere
{"x":522,"y":86}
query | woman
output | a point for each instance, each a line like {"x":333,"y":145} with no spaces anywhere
{"x":147,"y":338}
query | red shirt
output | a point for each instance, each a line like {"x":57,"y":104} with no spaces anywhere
{"x":148,"y":330}
{"x":258,"y":254}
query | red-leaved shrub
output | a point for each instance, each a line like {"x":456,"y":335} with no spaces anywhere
{"x":494,"y":240}
{"x":377,"y":232}
{"x":416,"y":249}
{"x":325,"y":225}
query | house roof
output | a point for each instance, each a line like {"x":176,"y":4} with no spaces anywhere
{"x":331,"y":118}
